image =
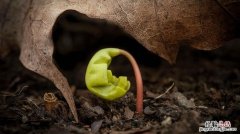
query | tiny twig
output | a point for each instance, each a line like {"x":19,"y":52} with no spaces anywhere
{"x":202,"y":107}
{"x":168,"y":89}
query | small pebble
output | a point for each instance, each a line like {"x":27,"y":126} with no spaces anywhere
{"x":167,"y":121}
{"x":148,"y":111}
{"x":183,"y":101}
{"x":98,"y":110}
{"x":95,"y":126}
{"x":128,"y":113}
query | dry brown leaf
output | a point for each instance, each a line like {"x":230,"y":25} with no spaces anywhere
{"x":160,"y":25}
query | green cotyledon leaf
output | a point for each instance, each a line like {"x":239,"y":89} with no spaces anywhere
{"x":100,"y":81}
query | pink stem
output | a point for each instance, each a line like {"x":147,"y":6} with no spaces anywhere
{"x":139,"y":83}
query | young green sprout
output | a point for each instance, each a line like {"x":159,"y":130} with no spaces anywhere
{"x":101,"y":82}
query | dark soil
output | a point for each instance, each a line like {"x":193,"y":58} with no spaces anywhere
{"x":206,"y":88}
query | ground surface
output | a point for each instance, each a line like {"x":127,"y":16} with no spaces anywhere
{"x":206,"y":87}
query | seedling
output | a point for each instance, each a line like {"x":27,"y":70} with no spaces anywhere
{"x":101,"y":82}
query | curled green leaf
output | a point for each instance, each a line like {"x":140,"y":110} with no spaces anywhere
{"x":100,"y":81}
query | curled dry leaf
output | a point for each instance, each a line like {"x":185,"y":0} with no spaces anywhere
{"x":160,"y":25}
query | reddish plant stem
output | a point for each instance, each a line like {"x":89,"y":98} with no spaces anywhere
{"x":139,"y":83}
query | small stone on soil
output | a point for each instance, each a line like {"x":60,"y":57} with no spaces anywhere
{"x":95,"y":126}
{"x":167,"y":121}
{"x":148,"y":111}
{"x":98,"y":110}
{"x":128,"y":113}
{"x":183,"y":101}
